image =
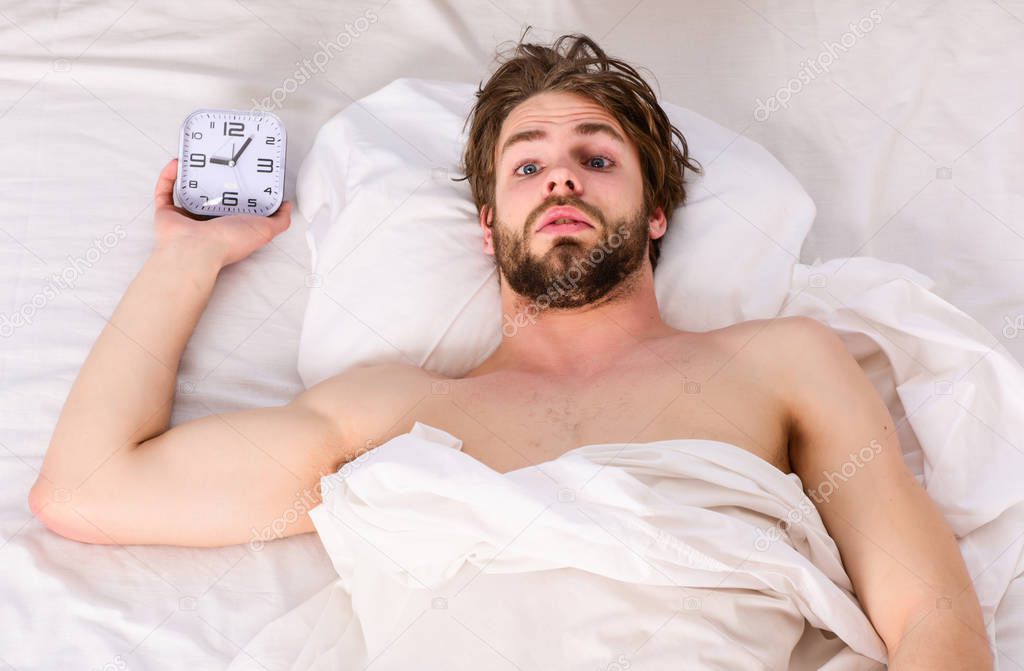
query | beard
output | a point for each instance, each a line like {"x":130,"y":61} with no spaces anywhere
{"x":572,"y":273}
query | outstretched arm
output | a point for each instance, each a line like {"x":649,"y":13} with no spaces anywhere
{"x":113,"y":473}
{"x":901,"y":555}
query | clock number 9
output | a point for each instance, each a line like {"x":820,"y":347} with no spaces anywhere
{"x":229,"y":198}
{"x":197,"y":160}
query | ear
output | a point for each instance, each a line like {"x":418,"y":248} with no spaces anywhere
{"x":486,"y":221}
{"x":657,"y":224}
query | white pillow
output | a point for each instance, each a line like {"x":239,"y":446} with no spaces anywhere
{"x":399,"y":274}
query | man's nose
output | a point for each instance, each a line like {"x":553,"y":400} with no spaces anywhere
{"x":562,"y":182}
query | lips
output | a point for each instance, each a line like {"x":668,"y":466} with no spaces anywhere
{"x":568,"y":213}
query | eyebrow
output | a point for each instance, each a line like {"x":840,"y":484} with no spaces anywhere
{"x":585,"y":128}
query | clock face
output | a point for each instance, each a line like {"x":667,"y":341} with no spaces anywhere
{"x":231,"y":162}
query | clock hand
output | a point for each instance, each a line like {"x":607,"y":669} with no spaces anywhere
{"x":241,"y":149}
{"x":222,"y":161}
{"x":231,"y":161}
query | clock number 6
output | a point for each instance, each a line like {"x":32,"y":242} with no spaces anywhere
{"x":229,"y":198}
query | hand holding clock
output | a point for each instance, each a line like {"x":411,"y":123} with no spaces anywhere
{"x":226,"y":239}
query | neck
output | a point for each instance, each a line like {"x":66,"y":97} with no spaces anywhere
{"x":578,"y":342}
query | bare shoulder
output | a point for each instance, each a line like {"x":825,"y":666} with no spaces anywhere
{"x":798,"y":342}
{"x":787,"y":353}
{"x":364,"y":402}
{"x":756,"y":344}
{"x":773,"y":326}
{"x":783,"y":340}
{"x":804,"y":358}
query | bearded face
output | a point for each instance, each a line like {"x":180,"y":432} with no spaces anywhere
{"x":572,"y":270}
{"x":563,"y":149}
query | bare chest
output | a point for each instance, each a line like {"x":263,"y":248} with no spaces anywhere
{"x":510,"y":421}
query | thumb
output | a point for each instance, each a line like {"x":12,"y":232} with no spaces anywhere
{"x":282,"y":219}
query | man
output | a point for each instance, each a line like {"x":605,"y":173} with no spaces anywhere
{"x":574,"y":171}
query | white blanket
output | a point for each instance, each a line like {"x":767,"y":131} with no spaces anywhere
{"x":676,"y":554}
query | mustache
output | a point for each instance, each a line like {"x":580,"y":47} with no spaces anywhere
{"x":560,"y":201}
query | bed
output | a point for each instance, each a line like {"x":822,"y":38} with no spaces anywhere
{"x":917,"y":163}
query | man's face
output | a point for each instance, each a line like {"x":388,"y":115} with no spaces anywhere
{"x":563,"y":150}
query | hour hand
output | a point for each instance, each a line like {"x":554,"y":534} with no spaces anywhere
{"x":220,"y":161}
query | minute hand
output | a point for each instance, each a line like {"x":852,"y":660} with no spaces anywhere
{"x":234,"y":159}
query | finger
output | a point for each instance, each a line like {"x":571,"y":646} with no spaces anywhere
{"x":282,"y":219}
{"x":162,"y":194}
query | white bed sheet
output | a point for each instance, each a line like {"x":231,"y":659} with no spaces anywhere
{"x":911,"y":149}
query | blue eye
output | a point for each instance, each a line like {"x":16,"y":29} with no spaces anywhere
{"x":530,"y":167}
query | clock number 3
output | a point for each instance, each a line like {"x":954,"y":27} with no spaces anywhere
{"x":265,"y":165}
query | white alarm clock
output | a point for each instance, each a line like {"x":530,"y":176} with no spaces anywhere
{"x":231,"y":162}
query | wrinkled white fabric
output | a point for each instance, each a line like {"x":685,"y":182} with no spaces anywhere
{"x":623,"y":555}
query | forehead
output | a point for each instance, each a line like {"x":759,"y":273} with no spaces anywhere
{"x":554,"y":112}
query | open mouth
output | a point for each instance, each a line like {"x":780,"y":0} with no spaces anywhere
{"x":564,"y":225}
{"x":562,"y":219}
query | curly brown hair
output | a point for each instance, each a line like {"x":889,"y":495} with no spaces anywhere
{"x":575,"y":64}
